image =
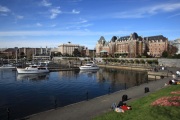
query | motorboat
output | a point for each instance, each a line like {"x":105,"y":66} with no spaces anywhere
{"x":89,"y":66}
{"x":7,"y":66}
{"x":33,"y":69}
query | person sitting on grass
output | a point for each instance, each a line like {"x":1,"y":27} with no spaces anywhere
{"x":172,"y":82}
{"x":116,"y":109}
{"x":121,"y":103}
{"x":122,"y":108}
{"x":173,"y":76}
{"x":177,"y":73}
{"x":126,"y":107}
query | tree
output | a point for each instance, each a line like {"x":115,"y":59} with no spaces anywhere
{"x":149,"y":61}
{"x":22,"y":54}
{"x":165,"y":54}
{"x":76,"y":53}
{"x":176,"y":56}
{"x":142,"y":61}
{"x":172,"y":50}
{"x":58,"y":54}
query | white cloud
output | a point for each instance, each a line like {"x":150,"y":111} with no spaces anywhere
{"x":164,"y":8}
{"x":57,"y":33}
{"x":4,"y":9}
{"x":178,"y":14}
{"x":28,"y":43}
{"x":46,"y":3}
{"x":3,"y":14}
{"x":82,"y":26}
{"x":39,"y":24}
{"x":79,"y":33}
{"x":53,"y":25}
{"x":55,"y":12}
{"x":76,"y":0}
{"x":19,"y":17}
{"x":75,"y":11}
{"x":83,"y":21}
{"x":148,"y":11}
{"x":80,"y":23}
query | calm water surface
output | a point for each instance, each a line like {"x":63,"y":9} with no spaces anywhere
{"x":27,"y":94}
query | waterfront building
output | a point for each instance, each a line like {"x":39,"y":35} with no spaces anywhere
{"x":8,"y":52}
{"x":102,"y":47}
{"x":132,"y":46}
{"x":30,"y":53}
{"x":68,"y":49}
{"x":2,"y":49}
{"x":156,"y":45}
{"x":126,"y":46}
{"x":41,"y":57}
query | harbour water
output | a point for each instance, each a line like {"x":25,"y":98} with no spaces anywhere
{"x":23,"y":94}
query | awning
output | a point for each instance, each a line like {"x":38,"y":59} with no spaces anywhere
{"x":103,"y":51}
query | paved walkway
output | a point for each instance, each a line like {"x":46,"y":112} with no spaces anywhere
{"x":86,"y":110}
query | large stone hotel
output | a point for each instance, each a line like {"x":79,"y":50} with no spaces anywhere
{"x":132,"y":46}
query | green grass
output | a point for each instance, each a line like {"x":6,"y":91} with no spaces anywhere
{"x":143,"y":110}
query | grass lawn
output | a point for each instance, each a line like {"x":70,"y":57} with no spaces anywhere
{"x":142,"y":109}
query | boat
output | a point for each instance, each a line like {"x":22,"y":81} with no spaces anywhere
{"x":7,"y":66}
{"x":89,"y":66}
{"x":33,"y":69}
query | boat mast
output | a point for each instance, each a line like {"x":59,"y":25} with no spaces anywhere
{"x":16,"y":48}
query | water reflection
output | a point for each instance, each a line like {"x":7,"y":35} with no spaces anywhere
{"x":125,"y":77}
{"x":42,"y":92}
{"x":44,"y":76}
{"x":88,"y":71}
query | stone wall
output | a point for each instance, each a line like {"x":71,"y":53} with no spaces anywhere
{"x":165,"y":62}
{"x":169,"y":62}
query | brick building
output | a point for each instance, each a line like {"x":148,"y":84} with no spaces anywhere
{"x":132,"y":46}
{"x":156,"y":45}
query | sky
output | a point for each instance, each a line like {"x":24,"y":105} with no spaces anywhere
{"x":41,"y":23}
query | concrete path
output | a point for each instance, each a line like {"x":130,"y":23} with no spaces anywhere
{"x":86,"y":110}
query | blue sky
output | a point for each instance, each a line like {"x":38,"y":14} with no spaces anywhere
{"x":41,"y":23}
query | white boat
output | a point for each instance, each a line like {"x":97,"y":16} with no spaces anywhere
{"x":7,"y":66}
{"x":89,"y":66}
{"x":33,"y":69}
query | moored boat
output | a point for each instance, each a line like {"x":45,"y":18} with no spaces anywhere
{"x":89,"y":66}
{"x":33,"y":69}
{"x":7,"y":66}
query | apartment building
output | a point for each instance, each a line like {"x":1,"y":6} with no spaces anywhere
{"x":69,"y":48}
{"x":30,"y":52}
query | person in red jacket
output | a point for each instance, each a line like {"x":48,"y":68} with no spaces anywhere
{"x":125,"y":107}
